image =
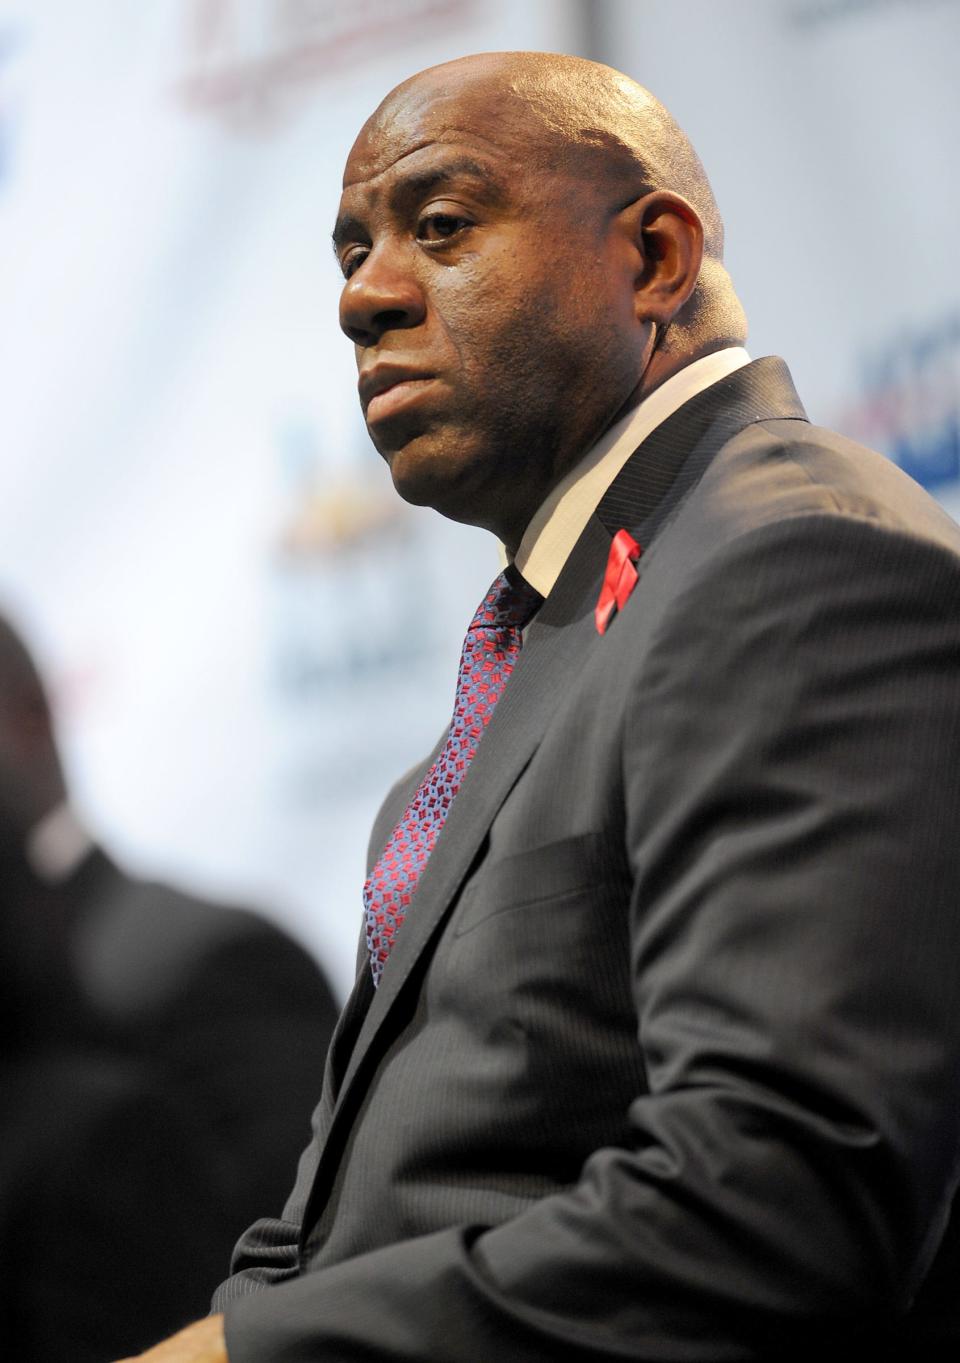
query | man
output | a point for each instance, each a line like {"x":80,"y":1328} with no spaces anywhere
{"x":656,"y":1053}
{"x":161,"y":1059}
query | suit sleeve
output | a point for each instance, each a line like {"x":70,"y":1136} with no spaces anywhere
{"x":790,"y":760}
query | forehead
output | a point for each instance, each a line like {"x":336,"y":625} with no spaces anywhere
{"x":423,"y":115}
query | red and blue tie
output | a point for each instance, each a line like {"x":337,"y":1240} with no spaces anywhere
{"x":489,"y":655}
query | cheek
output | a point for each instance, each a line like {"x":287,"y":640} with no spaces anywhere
{"x":496,"y":312}
{"x":563,"y":334}
{"x":528,"y":328}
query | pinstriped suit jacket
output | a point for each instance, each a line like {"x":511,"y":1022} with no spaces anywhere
{"x":665,"y":1063}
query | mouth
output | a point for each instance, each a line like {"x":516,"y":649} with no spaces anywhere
{"x":387,"y":389}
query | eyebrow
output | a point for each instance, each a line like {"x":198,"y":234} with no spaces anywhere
{"x":417,"y":183}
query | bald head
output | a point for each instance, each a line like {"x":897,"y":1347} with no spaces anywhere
{"x":596,"y":118}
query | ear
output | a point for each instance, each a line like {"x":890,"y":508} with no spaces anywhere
{"x":667,"y":239}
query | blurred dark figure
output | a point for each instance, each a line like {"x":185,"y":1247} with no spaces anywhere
{"x":160,"y":1061}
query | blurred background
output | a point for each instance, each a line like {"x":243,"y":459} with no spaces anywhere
{"x":197,"y":540}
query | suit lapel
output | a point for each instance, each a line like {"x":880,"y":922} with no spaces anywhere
{"x":559,"y":641}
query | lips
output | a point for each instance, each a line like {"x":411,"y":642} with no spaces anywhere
{"x":385,"y":388}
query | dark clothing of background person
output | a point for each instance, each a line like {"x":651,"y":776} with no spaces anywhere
{"x":112,"y":1211}
{"x":161,"y":1057}
{"x":230,"y":1011}
{"x":40,"y":999}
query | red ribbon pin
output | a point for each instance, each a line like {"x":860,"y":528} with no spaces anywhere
{"x":619,"y":580}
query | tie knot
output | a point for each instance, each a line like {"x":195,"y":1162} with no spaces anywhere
{"x":510,"y":603}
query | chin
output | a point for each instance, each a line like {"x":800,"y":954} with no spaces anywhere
{"x":445,"y":476}
{"x":427,"y":471}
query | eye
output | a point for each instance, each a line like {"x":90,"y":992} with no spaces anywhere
{"x":437,"y":227}
{"x":353,"y":259}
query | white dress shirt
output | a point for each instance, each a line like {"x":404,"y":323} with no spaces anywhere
{"x":557,"y":525}
{"x":58,"y":844}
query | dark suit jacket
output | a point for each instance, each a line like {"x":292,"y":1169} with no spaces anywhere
{"x":228,"y":1008}
{"x":665,"y":1063}
{"x":162,"y":1060}
{"x":112,"y":1217}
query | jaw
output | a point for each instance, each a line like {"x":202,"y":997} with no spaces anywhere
{"x":460,"y":476}
{"x":496,"y":475}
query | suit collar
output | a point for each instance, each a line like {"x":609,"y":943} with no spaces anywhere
{"x":675,"y":456}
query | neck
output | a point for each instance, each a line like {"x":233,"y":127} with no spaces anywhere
{"x":666,"y":362}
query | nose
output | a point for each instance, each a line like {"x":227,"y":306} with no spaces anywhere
{"x":381,"y":296}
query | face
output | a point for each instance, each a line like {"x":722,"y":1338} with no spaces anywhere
{"x":487,"y":293}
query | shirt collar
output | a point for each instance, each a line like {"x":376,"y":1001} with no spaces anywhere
{"x":559,"y":522}
{"x":57,"y":845}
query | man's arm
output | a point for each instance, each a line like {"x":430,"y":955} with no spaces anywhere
{"x":791,"y":811}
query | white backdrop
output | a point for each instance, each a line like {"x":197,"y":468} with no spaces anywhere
{"x":247,"y":635}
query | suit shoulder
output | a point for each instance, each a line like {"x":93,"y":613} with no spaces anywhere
{"x":152,"y":910}
{"x":791,"y":517}
{"x":146,"y":942}
{"x":782,"y":469}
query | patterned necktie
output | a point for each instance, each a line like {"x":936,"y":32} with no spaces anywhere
{"x":489,"y":654}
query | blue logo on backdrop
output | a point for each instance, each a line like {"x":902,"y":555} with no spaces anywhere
{"x":910,"y":402}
